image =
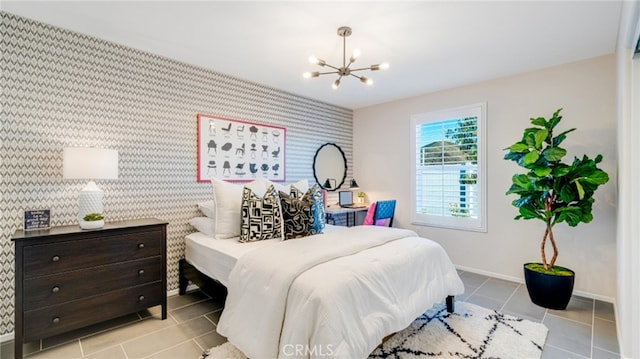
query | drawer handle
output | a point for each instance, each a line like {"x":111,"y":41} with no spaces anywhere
{"x":141,"y":298}
{"x":141,"y":245}
{"x":141,"y":272}
{"x":55,"y":258}
{"x":55,"y":289}
{"x":56,"y":320}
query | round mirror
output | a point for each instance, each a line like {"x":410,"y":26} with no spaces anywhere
{"x":330,"y":166}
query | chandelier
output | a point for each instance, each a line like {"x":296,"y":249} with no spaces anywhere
{"x":345,"y":70}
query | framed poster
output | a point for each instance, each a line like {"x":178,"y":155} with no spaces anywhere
{"x":236,"y":150}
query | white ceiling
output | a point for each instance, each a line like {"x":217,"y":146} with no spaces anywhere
{"x":431,"y":45}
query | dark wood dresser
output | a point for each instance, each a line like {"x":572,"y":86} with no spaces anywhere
{"x":67,"y":278}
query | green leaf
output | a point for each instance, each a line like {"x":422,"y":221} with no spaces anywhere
{"x":521,"y":181}
{"x":530,"y":139}
{"x":573,"y":218}
{"x":519,"y":147}
{"x":540,"y":136}
{"x":580,"y":189}
{"x":527,"y":213}
{"x":554,"y":121}
{"x":517,"y":190}
{"x":561,"y":170}
{"x":541,"y":185}
{"x":553,"y":154}
{"x":513,"y":156}
{"x":542,"y":171}
{"x":599,"y":177}
{"x":598,"y":159}
{"x":567,"y":194}
{"x":540,"y":121}
{"x":530,"y":157}
{"x":522,"y":201}
{"x":561,"y":137}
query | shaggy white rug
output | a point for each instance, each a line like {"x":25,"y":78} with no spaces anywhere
{"x":470,"y":332}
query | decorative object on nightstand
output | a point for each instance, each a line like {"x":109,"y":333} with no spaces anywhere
{"x":67,"y":278}
{"x":37,"y":219}
{"x":92,"y":221}
{"x":360,"y":197}
{"x":89,"y":163}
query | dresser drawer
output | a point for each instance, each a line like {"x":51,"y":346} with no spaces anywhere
{"x":58,"y":288}
{"x":60,"y":318}
{"x":44,"y":259}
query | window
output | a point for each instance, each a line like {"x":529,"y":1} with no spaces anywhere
{"x":448,"y":165}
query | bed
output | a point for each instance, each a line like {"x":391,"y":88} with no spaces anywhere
{"x":336,"y":294}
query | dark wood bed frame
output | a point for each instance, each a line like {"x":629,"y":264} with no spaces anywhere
{"x":215,"y":289}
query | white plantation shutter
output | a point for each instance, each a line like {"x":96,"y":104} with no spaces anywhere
{"x":448,"y":161}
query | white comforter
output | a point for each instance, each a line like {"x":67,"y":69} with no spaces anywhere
{"x":333,"y":295}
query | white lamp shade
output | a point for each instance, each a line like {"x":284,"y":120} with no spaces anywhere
{"x":89,"y":163}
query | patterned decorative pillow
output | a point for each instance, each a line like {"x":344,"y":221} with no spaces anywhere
{"x":318,"y":216}
{"x":296,"y":216}
{"x":261,"y":218}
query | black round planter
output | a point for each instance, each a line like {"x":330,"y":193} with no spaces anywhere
{"x":549,"y":291}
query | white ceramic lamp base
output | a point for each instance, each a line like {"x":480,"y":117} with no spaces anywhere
{"x":90,"y":201}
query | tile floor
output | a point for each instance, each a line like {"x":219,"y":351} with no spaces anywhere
{"x":585,"y":330}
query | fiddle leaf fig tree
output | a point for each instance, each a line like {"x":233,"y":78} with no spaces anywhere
{"x":550,"y":190}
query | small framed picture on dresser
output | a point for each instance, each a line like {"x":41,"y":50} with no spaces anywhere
{"x":37,"y":219}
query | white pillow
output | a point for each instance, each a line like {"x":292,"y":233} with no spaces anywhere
{"x":302,"y":186}
{"x":204,"y":225}
{"x":228,"y":200}
{"x":208,"y":208}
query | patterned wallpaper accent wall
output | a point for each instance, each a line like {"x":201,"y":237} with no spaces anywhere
{"x":61,"y":88}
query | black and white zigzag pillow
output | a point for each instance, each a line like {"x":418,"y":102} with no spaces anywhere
{"x":261,"y":217}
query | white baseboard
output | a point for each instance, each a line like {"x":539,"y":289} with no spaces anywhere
{"x":521,"y":280}
{"x":6,"y":337}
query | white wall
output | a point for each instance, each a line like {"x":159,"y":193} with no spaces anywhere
{"x":627,"y":305}
{"x":587,"y":92}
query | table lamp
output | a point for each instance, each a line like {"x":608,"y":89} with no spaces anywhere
{"x":89,"y":163}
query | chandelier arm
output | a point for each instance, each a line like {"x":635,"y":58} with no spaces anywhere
{"x":326,"y":73}
{"x":333,"y":67}
{"x":362,"y":68}
{"x":356,"y":76}
{"x":349,"y":65}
